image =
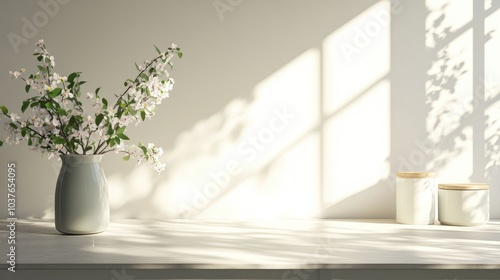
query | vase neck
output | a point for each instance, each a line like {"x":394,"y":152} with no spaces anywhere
{"x":70,"y":159}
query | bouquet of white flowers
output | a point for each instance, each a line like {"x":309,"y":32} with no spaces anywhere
{"x":59,"y":123}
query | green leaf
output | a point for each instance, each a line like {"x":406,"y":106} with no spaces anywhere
{"x":48,"y":105}
{"x":122,"y":136}
{"x":131,"y":111}
{"x":39,"y":58}
{"x":143,"y":115}
{"x":58,"y":140}
{"x":27,"y":88}
{"x":43,"y":70}
{"x":55,"y":93}
{"x":62,"y":112}
{"x":34,"y":104}
{"x":72,"y":77}
{"x":105,"y":102}
{"x":121,"y":130}
{"x":30,"y":142}
{"x":179,"y":54}
{"x":13,"y":125}
{"x":99,"y":119}
{"x":145,"y":77}
{"x":127,"y":157}
{"x":72,"y":121}
{"x":4,"y":109}
{"x":158,"y":50}
{"x":137,"y":66}
{"x":81,"y":83}
{"x":116,"y":140}
{"x":97,"y":91}
{"x":23,"y":131}
{"x":25,"y":106}
{"x":144,"y":150}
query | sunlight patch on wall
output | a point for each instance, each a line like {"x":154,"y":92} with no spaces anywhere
{"x":255,"y":158}
{"x":289,"y":189}
{"x":357,"y":144}
{"x":356,"y":56}
{"x":357,"y":104}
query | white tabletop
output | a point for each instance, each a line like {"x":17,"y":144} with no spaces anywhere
{"x":263,"y":244}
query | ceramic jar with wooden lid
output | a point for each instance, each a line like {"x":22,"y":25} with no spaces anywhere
{"x":464,"y":204}
{"x":416,"y":198}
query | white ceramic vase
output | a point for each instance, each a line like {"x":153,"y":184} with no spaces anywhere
{"x":81,"y":199}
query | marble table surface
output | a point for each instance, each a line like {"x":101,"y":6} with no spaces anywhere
{"x":258,"y":244}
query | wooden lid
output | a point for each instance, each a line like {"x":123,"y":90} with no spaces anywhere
{"x":417,"y":174}
{"x":464,"y":187}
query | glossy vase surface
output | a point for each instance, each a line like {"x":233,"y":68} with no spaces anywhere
{"x":81,"y":199}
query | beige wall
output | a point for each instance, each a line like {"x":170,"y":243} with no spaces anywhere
{"x":366,"y":96}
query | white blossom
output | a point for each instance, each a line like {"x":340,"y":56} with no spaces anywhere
{"x":51,"y":155}
{"x":55,"y":122}
{"x":67,"y":94}
{"x":14,"y":117}
{"x":14,"y":74}
{"x":47,"y":87}
{"x":52,"y":61}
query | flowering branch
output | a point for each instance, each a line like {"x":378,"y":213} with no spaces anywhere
{"x":59,"y":124}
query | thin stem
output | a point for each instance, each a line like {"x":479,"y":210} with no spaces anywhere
{"x":135,"y":80}
{"x":103,"y":150}
{"x":68,"y":147}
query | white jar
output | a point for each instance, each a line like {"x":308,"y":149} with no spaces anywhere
{"x":416,"y":198}
{"x":464,"y":204}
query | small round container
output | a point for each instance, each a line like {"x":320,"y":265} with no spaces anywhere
{"x":416,"y":198}
{"x":464,"y":204}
